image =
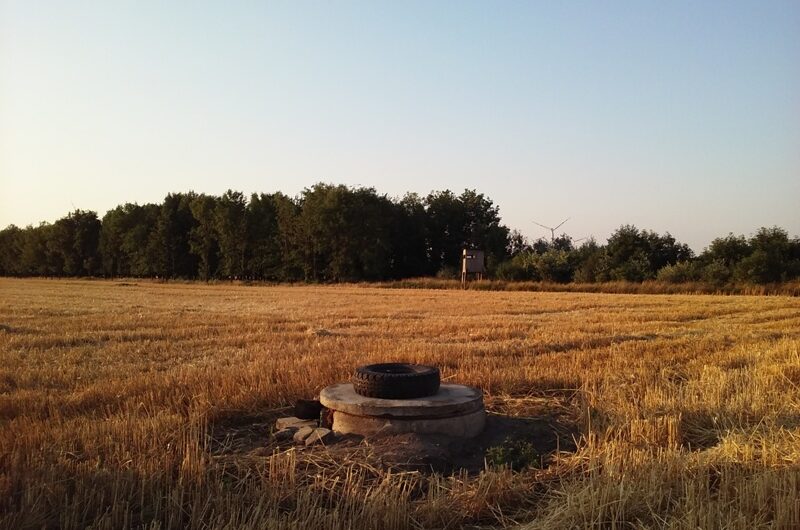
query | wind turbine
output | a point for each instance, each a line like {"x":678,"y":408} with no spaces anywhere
{"x":552,"y":229}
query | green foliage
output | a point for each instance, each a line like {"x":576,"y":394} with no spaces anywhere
{"x":448,"y":273}
{"x":203,"y":240}
{"x":115,"y":225}
{"x":773,"y":259}
{"x":635,"y":268}
{"x":339,"y":233}
{"x":514,"y":454}
{"x":127,"y":240}
{"x":554,"y":266}
{"x":230,"y":221}
{"x":469,"y":220}
{"x":74,"y":242}
{"x":682,"y":272}
{"x":445,"y":225}
{"x":168,"y":245}
{"x":11,"y":241}
{"x":716,"y":273}
{"x":728,"y":250}
{"x":562,"y":243}
{"x":637,"y":255}
{"x":410,"y":238}
{"x":517,"y":244}
{"x":345,"y":234}
{"x":519,"y":268}
{"x":591,"y":262}
{"x":482,"y":228}
{"x":264,"y":257}
{"x":287,"y":214}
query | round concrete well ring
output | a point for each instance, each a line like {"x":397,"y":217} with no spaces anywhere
{"x":456,"y":410}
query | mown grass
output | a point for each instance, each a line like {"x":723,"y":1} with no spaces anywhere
{"x":689,"y":406}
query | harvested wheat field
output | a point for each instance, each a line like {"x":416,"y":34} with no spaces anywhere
{"x":129,"y":405}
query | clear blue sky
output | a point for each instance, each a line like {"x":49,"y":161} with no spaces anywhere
{"x":674,"y":116}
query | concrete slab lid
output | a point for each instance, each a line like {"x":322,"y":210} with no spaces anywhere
{"x":451,"y":400}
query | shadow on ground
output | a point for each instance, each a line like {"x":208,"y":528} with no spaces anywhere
{"x":504,"y":435}
{"x":542,"y":437}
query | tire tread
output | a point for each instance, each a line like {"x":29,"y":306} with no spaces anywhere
{"x":423,"y":381}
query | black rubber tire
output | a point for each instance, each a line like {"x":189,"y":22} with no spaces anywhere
{"x":396,"y":381}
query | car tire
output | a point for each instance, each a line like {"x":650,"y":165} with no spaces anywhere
{"x":396,"y":381}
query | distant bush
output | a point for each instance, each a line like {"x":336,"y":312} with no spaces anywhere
{"x":519,"y":268}
{"x":635,"y":269}
{"x":448,"y":273}
{"x":592,"y":265}
{"x":682,"y":272}
{"x":760,"y":267}
{"x":716,"y":274}
{"x":774,"y":258}
{"x":554,"y":266}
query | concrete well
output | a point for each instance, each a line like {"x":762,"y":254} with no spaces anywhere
{"x":456,"y":410}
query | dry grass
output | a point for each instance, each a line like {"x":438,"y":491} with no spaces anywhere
{"x":689,"y":406}
{"x":791,"y":288}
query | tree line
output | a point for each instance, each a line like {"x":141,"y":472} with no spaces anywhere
{"x":634,"y":255}
{"x":334,"y":233}
{"x":327,"y":233}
